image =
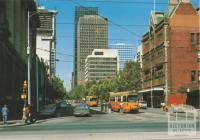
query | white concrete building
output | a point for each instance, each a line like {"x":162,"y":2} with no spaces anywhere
{"x":102,"y":64}
{"x":46,"y":38}
{"x":138,"y":56}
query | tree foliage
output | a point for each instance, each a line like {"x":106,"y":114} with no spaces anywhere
{"x":58,"y":86}
{"x":128,"y":79}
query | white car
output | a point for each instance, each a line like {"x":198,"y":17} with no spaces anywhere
{"x":181,"y":108}
{"x":143,"y":104}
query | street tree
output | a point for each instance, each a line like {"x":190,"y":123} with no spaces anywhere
{"x":130,"y":77}
{"x":58,"y":87}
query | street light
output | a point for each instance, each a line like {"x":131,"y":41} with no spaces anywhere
{"x":29,"y":56}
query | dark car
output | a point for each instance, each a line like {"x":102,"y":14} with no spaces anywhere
{"x":63,"y":108}
{"x":48,"y":110}
{"x":82,"y":110}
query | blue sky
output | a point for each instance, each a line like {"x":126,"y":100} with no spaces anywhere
{"x":121,"y":12}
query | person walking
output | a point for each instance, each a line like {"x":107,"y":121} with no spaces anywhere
{"x":26,"y":113}
{"x":4,"y":112}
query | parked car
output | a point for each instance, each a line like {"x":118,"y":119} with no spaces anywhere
{"x":63,"y":108}
{"x":181,"y":108}
{"x":143,"y":104}
{"x":48,"y":110}
{"x":82,"y":110}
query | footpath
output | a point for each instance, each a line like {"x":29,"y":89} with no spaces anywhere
{"x":12,"y":123}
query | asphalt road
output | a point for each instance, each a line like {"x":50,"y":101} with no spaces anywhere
{"x":143,"y":124}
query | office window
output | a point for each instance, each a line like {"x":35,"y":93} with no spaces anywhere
{"x":193,"y":73}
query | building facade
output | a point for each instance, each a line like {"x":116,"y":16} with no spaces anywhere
{"x":79,"y":12}
{"x":101,"y":65}
{"x":126,"y":53}
{"x":138,"y":56}
{"x":13,"y":52}
{"x":92,"y":33}
{"x":171,"y":55}
{"x":46,"y":39}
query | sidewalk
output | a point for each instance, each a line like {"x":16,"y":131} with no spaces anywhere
{"x":12,"y":123}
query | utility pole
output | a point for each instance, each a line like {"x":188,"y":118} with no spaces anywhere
{"x":29,"y":58}
{"x":166,"y":63}
{"x":37,"y":88}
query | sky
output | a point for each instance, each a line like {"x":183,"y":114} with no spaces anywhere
{"x":129,"y":20}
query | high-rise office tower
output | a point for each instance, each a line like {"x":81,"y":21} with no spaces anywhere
{"x":91,"y":33}
{"x":126,"y":53}
{"x":79,"y":12}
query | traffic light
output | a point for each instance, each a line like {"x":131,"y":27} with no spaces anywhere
{"x":24,"y":90}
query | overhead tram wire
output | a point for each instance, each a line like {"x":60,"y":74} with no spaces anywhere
{"x":59,"y":53}
{"x":111,"y":1}
{"x":111,"y":39}
{"x":122,"y":2}
{"x":128,"y":25}
{"x":111,"y":21}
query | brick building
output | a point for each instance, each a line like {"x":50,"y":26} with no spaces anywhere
{"x":171,"y":54}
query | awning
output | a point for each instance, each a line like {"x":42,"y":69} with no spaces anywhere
{"x":151,"y":89}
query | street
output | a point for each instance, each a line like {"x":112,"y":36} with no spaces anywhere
{"x":146,"y":122}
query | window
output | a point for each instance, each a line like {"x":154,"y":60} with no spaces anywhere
{"x":199,"y":75}
{"x":198,"y":56}
{"x":192,"y":40}
{"x":193,"y":73}
{"x":98,"y":53}
{"x":198,"y":38}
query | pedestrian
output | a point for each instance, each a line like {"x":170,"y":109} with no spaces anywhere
{"x":26,"y":113}
{"x":33,"y":114}
{"x":4,"y":112}
{"x":109,"y":107}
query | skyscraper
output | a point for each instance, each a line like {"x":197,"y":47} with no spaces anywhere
{"x":46,"y":38}
{"x":126,"y":53}
{"x":92,"y":34}
{"x":79,"y":12}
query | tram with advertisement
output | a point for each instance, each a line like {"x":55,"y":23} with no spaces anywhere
{"x":91,"y":100}
{"x":124,"y":101}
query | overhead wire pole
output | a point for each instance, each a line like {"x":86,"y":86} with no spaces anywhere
{"x":29,"y":55}
{"x":151,"y":51}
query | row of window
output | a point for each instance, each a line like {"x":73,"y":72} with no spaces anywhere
{"x":102,"y":70}
{"x":102,"y":74}
{"x":195,"y":75}
{"x":159,"y":52}
{"x":101,"y":67}
{"x":194,"y":39}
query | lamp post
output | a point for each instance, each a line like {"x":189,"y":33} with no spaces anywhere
{"x":28,"y":53}
{"x":29,"y":56}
